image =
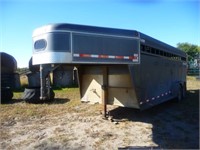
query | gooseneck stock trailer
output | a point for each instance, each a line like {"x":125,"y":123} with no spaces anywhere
{"x":115,"y":66}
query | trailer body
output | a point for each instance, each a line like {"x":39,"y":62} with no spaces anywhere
{"x":115,"y":66}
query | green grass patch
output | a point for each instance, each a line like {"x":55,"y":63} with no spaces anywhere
{"x":68,"y":100}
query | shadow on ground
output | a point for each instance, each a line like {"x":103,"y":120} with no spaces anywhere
{"x":50,"y":102}
{"x":59,"y":101}
{"x":175,"y":125}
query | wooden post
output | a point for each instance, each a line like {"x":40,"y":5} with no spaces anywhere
{"x":105,"y":91}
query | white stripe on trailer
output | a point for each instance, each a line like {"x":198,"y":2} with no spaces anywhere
{"x":126,"y":57}
{"x":111,"y":56}
{"x":133,"y":58}
{"x":94,"y":56}
{"x":76,"y":55}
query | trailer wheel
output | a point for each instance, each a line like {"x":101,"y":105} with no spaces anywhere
{"x":184,"y":90}
{"x":32,"y":95}
{"x":180,"y":94}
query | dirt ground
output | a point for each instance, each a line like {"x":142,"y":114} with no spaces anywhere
{"x":70,"y":124}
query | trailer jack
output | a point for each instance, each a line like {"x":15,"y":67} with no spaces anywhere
{"x":105,"y":91}
{"x":45,"y":82}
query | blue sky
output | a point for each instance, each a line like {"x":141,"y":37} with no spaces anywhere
{"x":171,"y":21}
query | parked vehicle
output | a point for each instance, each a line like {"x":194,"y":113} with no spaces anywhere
{"x":115,"y":66}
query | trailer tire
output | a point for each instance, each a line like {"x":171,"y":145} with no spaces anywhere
{"x":6,"y":94}
{"x":180,"y":94}
{"x":32,"y":95}
{"x":184,"y":90}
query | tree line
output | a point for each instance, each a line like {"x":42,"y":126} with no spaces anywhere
{"x":22,"y":70}
{"x":192,"y":50}
{"x":193,"y":54}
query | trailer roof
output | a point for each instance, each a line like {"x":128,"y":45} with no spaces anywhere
{"x":161,"y":45}
{"x":109,"y":31}
{"x":86,"y":28}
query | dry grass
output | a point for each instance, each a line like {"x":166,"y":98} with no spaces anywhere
{"x":25,"y":110}
{"x":67,"y":100}
{"x":66,"y":121}
{"x":23,"y":80}
{"x":193,"y":83}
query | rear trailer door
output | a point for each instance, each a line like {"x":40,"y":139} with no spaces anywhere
{"x":104,"y":49}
